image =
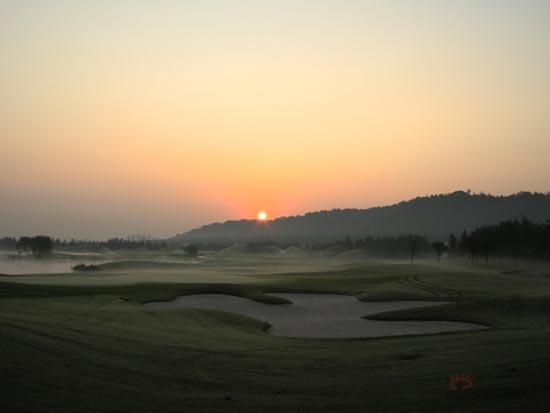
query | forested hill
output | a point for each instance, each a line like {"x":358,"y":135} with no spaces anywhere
{"x":435,"y":216}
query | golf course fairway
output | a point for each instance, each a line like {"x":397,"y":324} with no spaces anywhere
{"x":98,"y":347}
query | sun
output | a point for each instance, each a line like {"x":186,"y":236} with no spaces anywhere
{"x":262,"y":216}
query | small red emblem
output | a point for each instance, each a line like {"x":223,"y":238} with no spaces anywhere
{"x":461,"y":382}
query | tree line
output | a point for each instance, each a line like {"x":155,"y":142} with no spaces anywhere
{"x":517,"y":238}
{"x":394,"y":247}
{"x":111,"y":244}
{"x":8,"y":243}
{"x":41,"y":243}
{"x":37,"y":246}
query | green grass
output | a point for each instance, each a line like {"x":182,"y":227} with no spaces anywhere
{"x":76,"y":348}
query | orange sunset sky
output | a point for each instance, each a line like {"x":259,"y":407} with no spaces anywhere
{"x":122,"y":117}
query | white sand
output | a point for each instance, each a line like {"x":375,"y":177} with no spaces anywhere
{"x":320,"y":315}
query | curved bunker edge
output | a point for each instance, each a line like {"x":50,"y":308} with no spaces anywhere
{"x":322,"y":315}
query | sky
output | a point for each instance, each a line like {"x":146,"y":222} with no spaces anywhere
{"x":154,"y":117}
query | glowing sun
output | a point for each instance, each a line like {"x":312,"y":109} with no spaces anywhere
{"x":262,"y":216}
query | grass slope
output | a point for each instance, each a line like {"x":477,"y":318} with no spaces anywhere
{"x":80,"y":349}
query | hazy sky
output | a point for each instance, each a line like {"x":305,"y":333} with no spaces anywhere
{"x":121,"y":117}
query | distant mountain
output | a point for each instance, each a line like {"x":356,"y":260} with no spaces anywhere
{"x":435,"y":216}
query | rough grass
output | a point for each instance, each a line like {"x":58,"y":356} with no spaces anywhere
{"x":80,"y":349}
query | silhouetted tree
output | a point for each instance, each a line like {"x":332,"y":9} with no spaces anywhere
{"x":348,"y":244}
{"x":190,"y":250}
{"x":439,"y":248}
{"x":38,"y":246}
{"x":23,"y":245}
{"x":473,"y":246}
{"x":486,"y":241}
{"x":453,"y":244}
{"x":41,"y":245}
{"x":413,"y":246}
{"x":462,"y":247}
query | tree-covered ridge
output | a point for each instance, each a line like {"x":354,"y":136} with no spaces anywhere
{"x":434,"y":216}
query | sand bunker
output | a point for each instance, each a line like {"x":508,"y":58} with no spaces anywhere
{"x":320,"y":315}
